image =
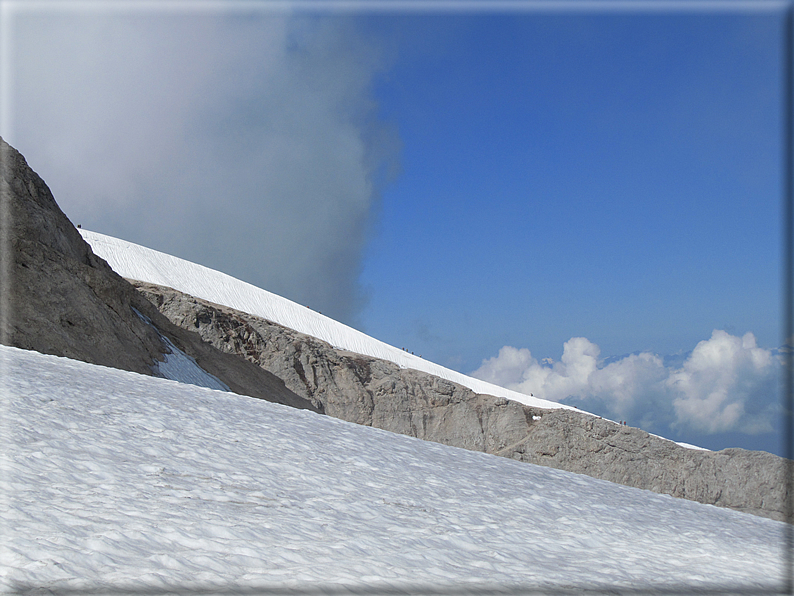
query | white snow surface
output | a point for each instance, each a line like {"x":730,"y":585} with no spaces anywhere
{"x":113,"y":479}
{"x":144,"y":264}
{"x":178,"y":366}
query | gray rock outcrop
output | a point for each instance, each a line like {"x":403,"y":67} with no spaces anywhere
{"x":378,"y":393}
{"x":59,"y":298}
{"x":749,"y":481}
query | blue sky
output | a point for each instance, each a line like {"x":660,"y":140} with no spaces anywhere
{"x":615,"y":177}
{"x":480,"y":188}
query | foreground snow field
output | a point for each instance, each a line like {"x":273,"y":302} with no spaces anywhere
{"x":144,"y":264}
{"x":110,"y":478}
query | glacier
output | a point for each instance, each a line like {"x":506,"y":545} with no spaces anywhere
{"x":114,"y":481}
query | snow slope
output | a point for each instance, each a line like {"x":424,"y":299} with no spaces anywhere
{"x":178,"y":366}
{"x":144,"y":264}
{"x":110,"y":478}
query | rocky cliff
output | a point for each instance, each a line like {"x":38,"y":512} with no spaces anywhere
{"x":59,"y":298}
{"x":380,"y":394}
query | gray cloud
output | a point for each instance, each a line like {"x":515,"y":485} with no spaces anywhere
{"x":726,"y":385}
{"x":250,"y":144}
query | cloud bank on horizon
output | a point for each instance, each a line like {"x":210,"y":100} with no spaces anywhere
{"x":727,"y":384}
{"x":239,"y":141}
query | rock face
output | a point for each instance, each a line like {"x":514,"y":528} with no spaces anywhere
{"x":749,"y":481}
{"x":56,"y":291}
{"x":378,"y":393}
{"x":59,"y":298}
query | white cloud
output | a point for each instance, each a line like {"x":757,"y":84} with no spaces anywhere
{"x":727,"y":384}
{"x":721,"y":376}
{"x":246,"y":143}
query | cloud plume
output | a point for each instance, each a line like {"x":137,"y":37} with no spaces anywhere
{"x":727,"y":384}
{"x":246,"y":142}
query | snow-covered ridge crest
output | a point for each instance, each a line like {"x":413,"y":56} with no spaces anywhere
{"x":144,"y":264}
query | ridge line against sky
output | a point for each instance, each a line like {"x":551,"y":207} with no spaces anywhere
{"x":144,"y":264}
{"x":480,"y":185}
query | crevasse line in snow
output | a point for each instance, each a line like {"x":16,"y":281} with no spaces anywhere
{"x":144,"y":264}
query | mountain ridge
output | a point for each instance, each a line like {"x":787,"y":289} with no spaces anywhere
{"x":61,"y":298}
